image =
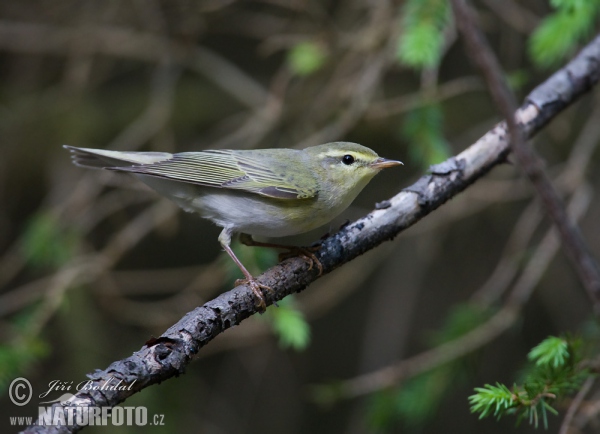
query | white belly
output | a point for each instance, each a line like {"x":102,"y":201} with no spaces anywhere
{"x":244,"y":212}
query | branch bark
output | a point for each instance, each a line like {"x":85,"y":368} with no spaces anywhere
{"x":167,"y":356}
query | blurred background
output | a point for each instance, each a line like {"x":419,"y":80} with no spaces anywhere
{"x":92,"y":263}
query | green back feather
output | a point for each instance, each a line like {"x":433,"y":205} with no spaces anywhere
{"x":281,"y":174}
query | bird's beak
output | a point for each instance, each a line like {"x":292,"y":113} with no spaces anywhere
{"x":383,"y":163}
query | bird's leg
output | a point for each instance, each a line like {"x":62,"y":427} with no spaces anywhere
{"x":306,"y":253}
{"x":225,"y":240}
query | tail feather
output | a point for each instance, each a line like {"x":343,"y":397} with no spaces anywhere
{"x":103,"y":159}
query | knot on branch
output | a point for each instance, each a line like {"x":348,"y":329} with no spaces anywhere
{"x":435,"y":188}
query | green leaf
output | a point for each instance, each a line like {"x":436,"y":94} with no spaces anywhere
{"x":421,"y":42}
{"x":306,"y":57}
{"x":492,"y":399}
{"x":569,"y":4}
{"x":552,"y":351}
{"x":289,"y":324}
{"x":556,"y":373}
{"x":420,"y":48}
{"x":47,"y":243}
{"x":381,"y":410}
{"x":558,"y":35}
{"x":419,"y":398}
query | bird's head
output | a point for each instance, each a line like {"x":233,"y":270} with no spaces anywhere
{"x":348,"y":167}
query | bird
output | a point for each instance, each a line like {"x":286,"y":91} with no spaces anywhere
{"x":274,"y":192}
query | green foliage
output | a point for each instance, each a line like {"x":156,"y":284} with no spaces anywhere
{"x":382,"y":410}
{"x":412,"y":403}
{"x":461,"y":319}
{"x":414,"y":400}
{"x":558,"y":34}
{"x":16,"y":358}
{"x":555,"y":373}
{"x":491,"y":398}
{"x":24,"y":348}
{"x":422,"y":40}
{"x":289,"y":324}
{"x":423,"y":128}
{"x":306,"y":57}
{"x":569,"y":4}
{"x":499,"y":400}
{"x":46,"y":243}
{"x":552,"y":351}
{"x":417,"y":400}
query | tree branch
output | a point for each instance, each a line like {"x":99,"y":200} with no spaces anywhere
{"x":531,"y":164}
{"x":167,"y":356}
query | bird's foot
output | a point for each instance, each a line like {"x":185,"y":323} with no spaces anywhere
{"x":256,"y":286}
{"x":306,"y":253}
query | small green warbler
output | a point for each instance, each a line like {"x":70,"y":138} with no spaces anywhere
{"x":264,"y":192}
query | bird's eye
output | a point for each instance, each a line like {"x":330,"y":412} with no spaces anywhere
{"x":347,"y":159}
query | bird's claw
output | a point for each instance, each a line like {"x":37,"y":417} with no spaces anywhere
{"x":256,"y":286}
{"x":306,"y":253}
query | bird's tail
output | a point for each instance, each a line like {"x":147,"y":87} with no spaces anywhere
{"x":102,"y":159}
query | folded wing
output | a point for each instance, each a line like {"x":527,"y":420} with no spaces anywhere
{"x":239,"y":170}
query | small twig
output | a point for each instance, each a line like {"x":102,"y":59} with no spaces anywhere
{"x":532,"y":165}
{"x":90,"y":267}
{"x":156,"y":114}
{"x":355,"y":90}
{"x":574,"y":407}
{"x":508,"y":266}
{"x":260,"y":121}
{"x":444,"y":91}
{"x":365,"y":88}
{"x":569,"y":179}
{"x":138,"y":132}
{"x":513,"y":14}
{"x":142,"y":46}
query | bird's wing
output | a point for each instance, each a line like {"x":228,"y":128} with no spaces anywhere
{"x":239,"y":170}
